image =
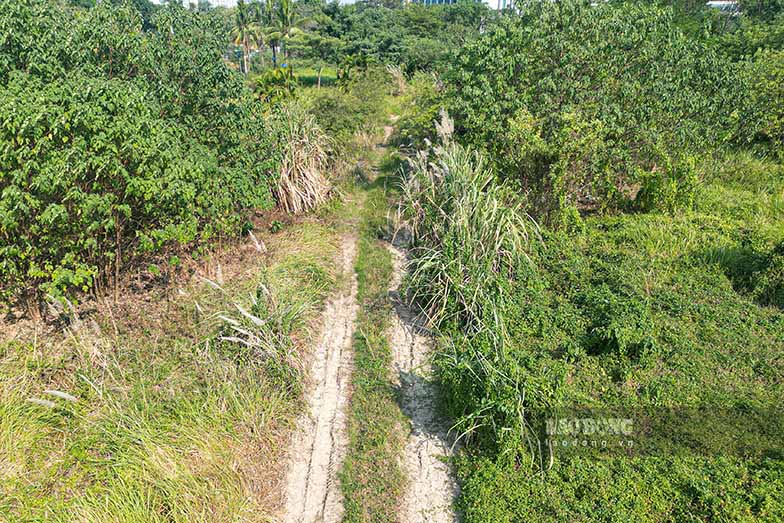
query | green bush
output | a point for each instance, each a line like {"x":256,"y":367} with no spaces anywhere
{"x":576,"y":113}
{"x":767,"y":98}
{"x":117,"y":141}
{"x":671,"y":188}
{"x":275,"y":85}
{"x":354,"y":107}
{"x":421,"y":103}
{"x":338,"y":112}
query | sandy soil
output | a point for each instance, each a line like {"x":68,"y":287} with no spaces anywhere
{"x":432,"y":489}
{"x":319,"y":444}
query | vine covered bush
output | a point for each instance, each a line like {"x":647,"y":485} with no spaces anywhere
{"x":117,"y":141}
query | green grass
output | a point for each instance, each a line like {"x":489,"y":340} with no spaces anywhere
{"x":372,"y":477}
{"x":308,"y":76}
{"x":171,"y":423}
{"x":634,"y":313}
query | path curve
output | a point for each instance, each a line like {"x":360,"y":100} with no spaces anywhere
{"x":431,"y":490}
{"x":319,"y":443}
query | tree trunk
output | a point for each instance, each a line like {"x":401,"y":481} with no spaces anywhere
{"x":274,"y":56}
{"x":245,"y":55}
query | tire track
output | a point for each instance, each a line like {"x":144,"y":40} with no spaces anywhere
{"x":431,"y":490}
{"x":319,"y":443}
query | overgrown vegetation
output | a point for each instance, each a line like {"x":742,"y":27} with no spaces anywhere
{"x":129,"y":137}
{"x":580,"y":119}
{"x":302,"y":183}
{"x":652,"y":284}
{"x":597,"y":224}
{"x":177,"y":414}
{"x":321,"y":35}
{"x":118,"y":141}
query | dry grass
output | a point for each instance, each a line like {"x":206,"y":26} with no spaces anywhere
{"x":303,"y":183}
{"x":144,"y":414}
{"x":399,"y":79}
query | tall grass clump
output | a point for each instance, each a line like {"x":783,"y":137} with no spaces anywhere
{"x":302,"y":184}
{"x":470,"y":247}
{"x":469,"y":233}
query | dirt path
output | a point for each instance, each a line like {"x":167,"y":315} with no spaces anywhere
{"x":317,"y":449}
{"x":432,"y":488}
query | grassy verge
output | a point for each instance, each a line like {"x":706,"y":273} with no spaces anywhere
{"x":308,"y":76}
{"x":372,"y":477}
{"x":148,"y":415}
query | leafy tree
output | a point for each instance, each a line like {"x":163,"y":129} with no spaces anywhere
{"x":413,"y":36}
{"x":767,"y":98}
{"x":566,"y":100}
{"x":241,"y":32}
{"x":287,"y":23}
{"x":762,"y":9}
{"x":751,"y":36}
{"x":319,"y":50}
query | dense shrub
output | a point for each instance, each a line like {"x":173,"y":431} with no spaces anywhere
{"x":750,"y":36}
{"x":767,"y":98}
{"x":116,"y":141}
{"x":568,"y":102}
{"x":338,"y":112}
{"x":356,"y":106}
{"x":421,"y":103}
{"x":275,"y":85}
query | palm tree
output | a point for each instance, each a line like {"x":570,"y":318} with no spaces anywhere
{"x":286,"y":24}
{"x":241,"y":32}
{"x":259,"y":29}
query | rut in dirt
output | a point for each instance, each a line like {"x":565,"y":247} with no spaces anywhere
{"x":432,"y":489}
{"x":319,"y":444}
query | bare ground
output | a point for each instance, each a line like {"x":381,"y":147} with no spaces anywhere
{"x":431,"y":488}
{"x":318,"y":446}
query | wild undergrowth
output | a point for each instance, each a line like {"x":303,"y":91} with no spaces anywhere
{"x":645,"y":315}
{"x":466,"y":229}
{"x":179,"y":416}
{"x":118,"y":143}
